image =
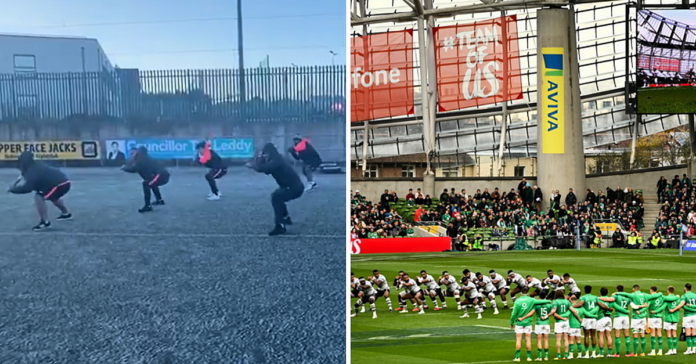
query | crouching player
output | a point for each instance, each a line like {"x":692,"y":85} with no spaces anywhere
{"x":216,"y":168}
{"x":451,"y":287}
{"x":369,"y":295}
{"x":310,"y":158}
{"x":411,"y":291}
{"x":380,"y":282}
{"x":472,"y":297}
{"x":521,"y":321}
{"x":487,"y":288}
{"x":433,"y":290}
{"x":50,"y":184}
{"x":153,"y":174}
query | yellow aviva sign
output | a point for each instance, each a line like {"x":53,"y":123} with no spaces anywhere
{"x":551,"y":118}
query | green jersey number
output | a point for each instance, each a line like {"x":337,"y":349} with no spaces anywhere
{"x":692,"y":301}
{"x":563,"y":308}
{"x":624,"y":304}
{"x":544,"y":312}
{"x":641,"y":300}
{"x":591,"y":306}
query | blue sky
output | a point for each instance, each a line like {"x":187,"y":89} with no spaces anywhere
{"x":159,"y":34}
{"x":683,"y":16}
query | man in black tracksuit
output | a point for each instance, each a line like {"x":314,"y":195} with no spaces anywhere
{"x":49,"y":184}
{"x":154,"y":175}
{"x":308,"y":155}
{"x":269,"y":161}
{"x":217,"y":168}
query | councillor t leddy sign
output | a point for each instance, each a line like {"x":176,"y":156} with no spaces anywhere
{"x":400,"y":245}
{"x":471,"y":61}
{"x":52,"y":150}
{"x":381,"y":79}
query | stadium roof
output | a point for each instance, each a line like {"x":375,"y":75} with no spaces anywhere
{"x":604,"y":57}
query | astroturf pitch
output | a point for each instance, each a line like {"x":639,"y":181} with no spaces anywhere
{"x":667,"y":100}
{"x":195,"y":281}
{"x":443,"y":337}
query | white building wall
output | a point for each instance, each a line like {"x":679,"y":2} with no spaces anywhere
{"x":53,"y":54}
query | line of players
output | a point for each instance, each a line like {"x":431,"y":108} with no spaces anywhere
{"x":647,"y":77}
{"x":471,"y":290}
{"x":574,"y":313}
{"x":590,"y":315}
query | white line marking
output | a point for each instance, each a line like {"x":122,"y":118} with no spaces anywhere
{"x":418,"y":336}
{"x":166,"y":235}
{"x":485,"y":362}
{"x":492,"y":327}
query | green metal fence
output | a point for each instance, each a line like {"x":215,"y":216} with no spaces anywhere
{"x":300,"y":94}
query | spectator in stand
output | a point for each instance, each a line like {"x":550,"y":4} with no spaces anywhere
{"x":386,"y":198}
{"x":453,"y":233}
{"x":611,"y":195}
{"x":675,"y":181}
{"x":427,"y":200}
{"x":633,"y":241}
{"x":686,"y":182}
{"x":417,"y":214}
{"x":655,"y":241}
{"x":420,"y":200}
{"x":619,"y":194}
{"x":444,"y":196}
{"x":410,"y":196}
{"x":570,"y":199}
{"x":486,"y":195}
{"x":661,"y":187}
{"x":590,"y":197}
{"x":618,"y":239}
{"x":495,"y":195}
{"x":538,"y":198}
{"x":511,"y":196}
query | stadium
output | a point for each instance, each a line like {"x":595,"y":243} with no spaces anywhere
{"x":666,"y":58}
{"x":502,"y":138}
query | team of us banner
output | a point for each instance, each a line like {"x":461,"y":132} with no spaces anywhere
{"x":476,"y":64}
{"x":228,"y":148}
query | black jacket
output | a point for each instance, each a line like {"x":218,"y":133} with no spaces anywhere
{"x":571,"y":199}
{"x":538,"y":195}
{"x":306,"y":152}
{"x":213,"y":161}
{"x":145,"y":166}
{"x":275,"y":165}
{"x":38,"y":177}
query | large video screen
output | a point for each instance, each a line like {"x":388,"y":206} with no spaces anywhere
{"x":666,"y":59}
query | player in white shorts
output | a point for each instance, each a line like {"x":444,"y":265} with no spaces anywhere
{"x":521,"y":282}
{"x":688,"y":302}
{"x":398,"y":283}
{"x":500,"y":285}
{"x":432,"y":289}
{"x":569,"y":282}
{"x":411,"y":290}
{"x":604,"y":327}
{"x":537,"y":285}
{"x":380,"y":282}
{"x":354,"y":282}
{"x":486,"y":287}
{"x":368,"y":295}
{"x":553,"y":281}
{"x":471,"y":296}
{"x":451,"y":287}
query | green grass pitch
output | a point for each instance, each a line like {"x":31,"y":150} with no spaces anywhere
{"x":668,"y":100}
{"x":443,"y":337}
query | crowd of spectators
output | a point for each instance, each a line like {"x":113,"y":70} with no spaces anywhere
{"x":678,"y":210}
{"x":379,"y":220}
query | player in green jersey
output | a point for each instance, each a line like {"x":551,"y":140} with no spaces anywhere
{"x":561,"y":328}
{"x":670,"y":320}
{"x":620,"y":304}
{"x":521,"y":321}
{"x":688,"y":302}
{"x":542,"y":326}
{"x":575,"y":333}
{"x":589,"y":321}
{"x":639,"y":301}
{"x":604,"y":328}
{"x":655,"y":321}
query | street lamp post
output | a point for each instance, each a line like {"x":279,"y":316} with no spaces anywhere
{"x":333,"y":57}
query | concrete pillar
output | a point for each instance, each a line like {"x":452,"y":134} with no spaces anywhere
{"x":560,"y":153}
{"x":691,"y":163}
{"x":429,"y":184}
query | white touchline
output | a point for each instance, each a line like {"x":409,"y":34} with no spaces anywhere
{"x":166,"y":235}
{"x":492,"y":327}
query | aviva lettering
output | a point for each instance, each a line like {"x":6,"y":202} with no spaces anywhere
{"x":552,"y":120}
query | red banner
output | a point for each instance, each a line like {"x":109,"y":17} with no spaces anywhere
{"x":659,"y":63}
{"x":400,"y":245}
{"x":381,"y":79}
{"x":470,"y":62}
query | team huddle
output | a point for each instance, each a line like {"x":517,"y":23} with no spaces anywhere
{"x":52,"y":184}
{"x":583,"y":322}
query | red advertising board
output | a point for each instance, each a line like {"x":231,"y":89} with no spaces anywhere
{"x":470,"y":62}
{"x":400,"y":245}
{"x":381,"y":79}
{"x":659,"y":63}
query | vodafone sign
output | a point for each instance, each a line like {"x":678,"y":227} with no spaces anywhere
{"x":470,"y":63}
{"x":381,"y":79}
